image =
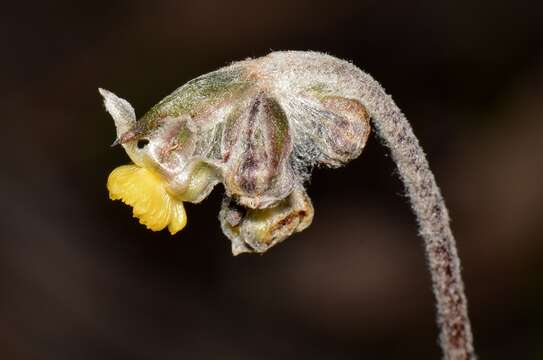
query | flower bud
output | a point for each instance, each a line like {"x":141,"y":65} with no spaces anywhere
{"x":257,"y":230}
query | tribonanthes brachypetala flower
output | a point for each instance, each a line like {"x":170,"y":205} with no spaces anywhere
{"x":258,"y":126}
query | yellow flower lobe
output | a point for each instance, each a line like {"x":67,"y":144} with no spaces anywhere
{"x":145,"y":192}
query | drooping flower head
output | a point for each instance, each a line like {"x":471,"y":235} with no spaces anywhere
{"x":258,"y":127}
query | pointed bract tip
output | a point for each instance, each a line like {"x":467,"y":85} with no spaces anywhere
{"x":103,"y":92}
{"x":121,"y":111}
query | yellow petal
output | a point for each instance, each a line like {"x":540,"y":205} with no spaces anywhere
{"x":179,"y":218}
{"x":145,"y":192}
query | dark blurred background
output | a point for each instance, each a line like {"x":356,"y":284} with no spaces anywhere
{"x":81,"y":279}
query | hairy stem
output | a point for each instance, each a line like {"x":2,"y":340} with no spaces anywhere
{"x":432,"y":217}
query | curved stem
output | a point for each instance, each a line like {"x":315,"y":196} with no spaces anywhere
{"x":432,"y":217}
